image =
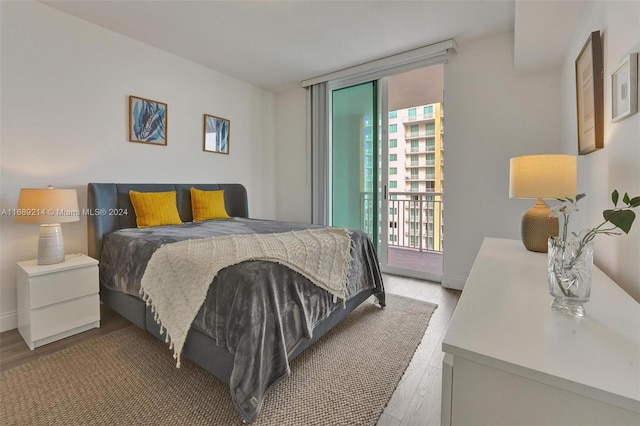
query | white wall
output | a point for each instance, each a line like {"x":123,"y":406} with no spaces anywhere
{"x":491,"y":115}
{"x":65,"y":85}
{"x":617,"y":165}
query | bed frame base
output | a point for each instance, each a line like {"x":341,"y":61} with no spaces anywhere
{"x":201,"y":348}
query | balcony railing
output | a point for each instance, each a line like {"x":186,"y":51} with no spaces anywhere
{"x":420,"y":177}
{"x":417,"y":135}
{"x":418,"y":117}
{"x":420,"y":149}
{"x":415,"y":221}
{"x":425,"y":163}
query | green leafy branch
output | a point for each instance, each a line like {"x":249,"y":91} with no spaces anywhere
{"x":619,"y":217}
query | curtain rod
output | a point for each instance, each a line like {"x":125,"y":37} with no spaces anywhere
{"x":389,"y":62}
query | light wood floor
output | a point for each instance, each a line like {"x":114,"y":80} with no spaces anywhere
{"x":416,"y":400}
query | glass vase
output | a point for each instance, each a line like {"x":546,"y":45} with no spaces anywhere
{"x":569,"y":265}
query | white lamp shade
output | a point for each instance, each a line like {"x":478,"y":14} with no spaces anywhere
{"x":543,"y":176}
{"x":47,"y":205}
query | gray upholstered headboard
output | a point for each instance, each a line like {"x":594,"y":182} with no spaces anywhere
{"x":106,"y":202}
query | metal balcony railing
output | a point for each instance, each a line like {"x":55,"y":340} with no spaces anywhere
{"x":418,"y":135}
{"x":424,"y":163}
{"x":418,"y":117}
{"x":415,"y":219}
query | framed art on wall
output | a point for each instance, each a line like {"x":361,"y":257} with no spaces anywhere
{"x":147,"y":121}
{"x":624,"y":89}
{"x":216,"y":134}
{"x":589,"y":97}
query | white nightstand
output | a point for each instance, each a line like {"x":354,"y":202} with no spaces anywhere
{"x":57,"y":301}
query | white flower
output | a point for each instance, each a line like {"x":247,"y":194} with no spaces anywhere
{"x":566,"y":208}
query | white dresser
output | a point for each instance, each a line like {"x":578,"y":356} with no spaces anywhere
{"x":511,"y":360}
{"x":57,"y":301}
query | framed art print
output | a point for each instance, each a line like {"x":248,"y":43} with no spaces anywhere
{"x":147,"y":121}
{"x":624,"y":89}
{"x":589,"y":97}
{"x":216,"y":134}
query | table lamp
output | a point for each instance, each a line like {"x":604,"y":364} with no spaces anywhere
{"x":48,"y":207}
{"x":541,"y":176}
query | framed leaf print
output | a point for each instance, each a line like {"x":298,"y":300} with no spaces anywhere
{"x":216,"y":134}
{"x":147,"y":121}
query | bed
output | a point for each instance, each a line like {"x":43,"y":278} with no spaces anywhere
{"x":258,"y":315}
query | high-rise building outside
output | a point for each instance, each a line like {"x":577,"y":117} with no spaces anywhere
{"x":416,"y":176}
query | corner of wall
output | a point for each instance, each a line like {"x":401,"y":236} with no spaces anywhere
{"x":454,"y":283}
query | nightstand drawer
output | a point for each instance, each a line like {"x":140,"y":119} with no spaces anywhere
{"x":61,"y":286}
{"x":56,"y":319}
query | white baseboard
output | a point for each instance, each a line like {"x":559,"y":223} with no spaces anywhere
{"x":8,"y":321}
{"x":455,"y":283}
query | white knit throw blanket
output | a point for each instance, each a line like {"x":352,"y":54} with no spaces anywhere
{"x":178,"y":275}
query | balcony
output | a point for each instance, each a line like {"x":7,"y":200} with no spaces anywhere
{"x":420,"y":149}
{"x":417,"y":118}
{"x":415,"y":230}
{"x":416,"y":135}
{"x":420,"y":177}
{"x":416,"y":260}
{"x":413,"y":215}
{"x":425,"y":163}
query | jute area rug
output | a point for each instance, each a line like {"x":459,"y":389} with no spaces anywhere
{"x":129,"y":378}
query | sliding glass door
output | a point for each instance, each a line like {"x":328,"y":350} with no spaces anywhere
{"x":354,"y":158}
{"x":387,"y":168}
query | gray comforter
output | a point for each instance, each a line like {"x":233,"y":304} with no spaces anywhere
{"x":260,"y":311}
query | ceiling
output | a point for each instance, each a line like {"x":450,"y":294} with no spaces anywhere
{"x":277,"y":44}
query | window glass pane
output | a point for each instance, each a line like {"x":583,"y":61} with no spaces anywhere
{"x":414,"y":129}
{"x":393,"y":128}
{"x":431,"y":129}
{"x":393,"y":143}
{"x":431,"y":159}
{"x":393,"y":170}
{"x":393,"y":184}
{"x":431,"y":144}
{"x":393,"y":114}
{"x":353,"y":159}
{"x":393,"y":157}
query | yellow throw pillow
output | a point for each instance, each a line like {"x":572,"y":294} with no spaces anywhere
{"x":207,"y":205}
{"x":155,"y":208}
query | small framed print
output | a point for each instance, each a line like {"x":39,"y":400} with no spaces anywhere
{"x":589,"y":95}
{"x":624,"y":89}
{"x":216,"y":134}
{"x":147,"y":121}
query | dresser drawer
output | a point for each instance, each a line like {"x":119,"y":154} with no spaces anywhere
{"x":61,"y":286}
{"x":56,"y":319}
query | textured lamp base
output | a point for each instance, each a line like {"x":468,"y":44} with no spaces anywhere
{"x":50,"y":244}
{"x":537,"y":226}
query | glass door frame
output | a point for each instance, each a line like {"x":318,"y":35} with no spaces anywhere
{"x":382,"y":190}
{"x":382,"y":159}
{"x":331,"y":88}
